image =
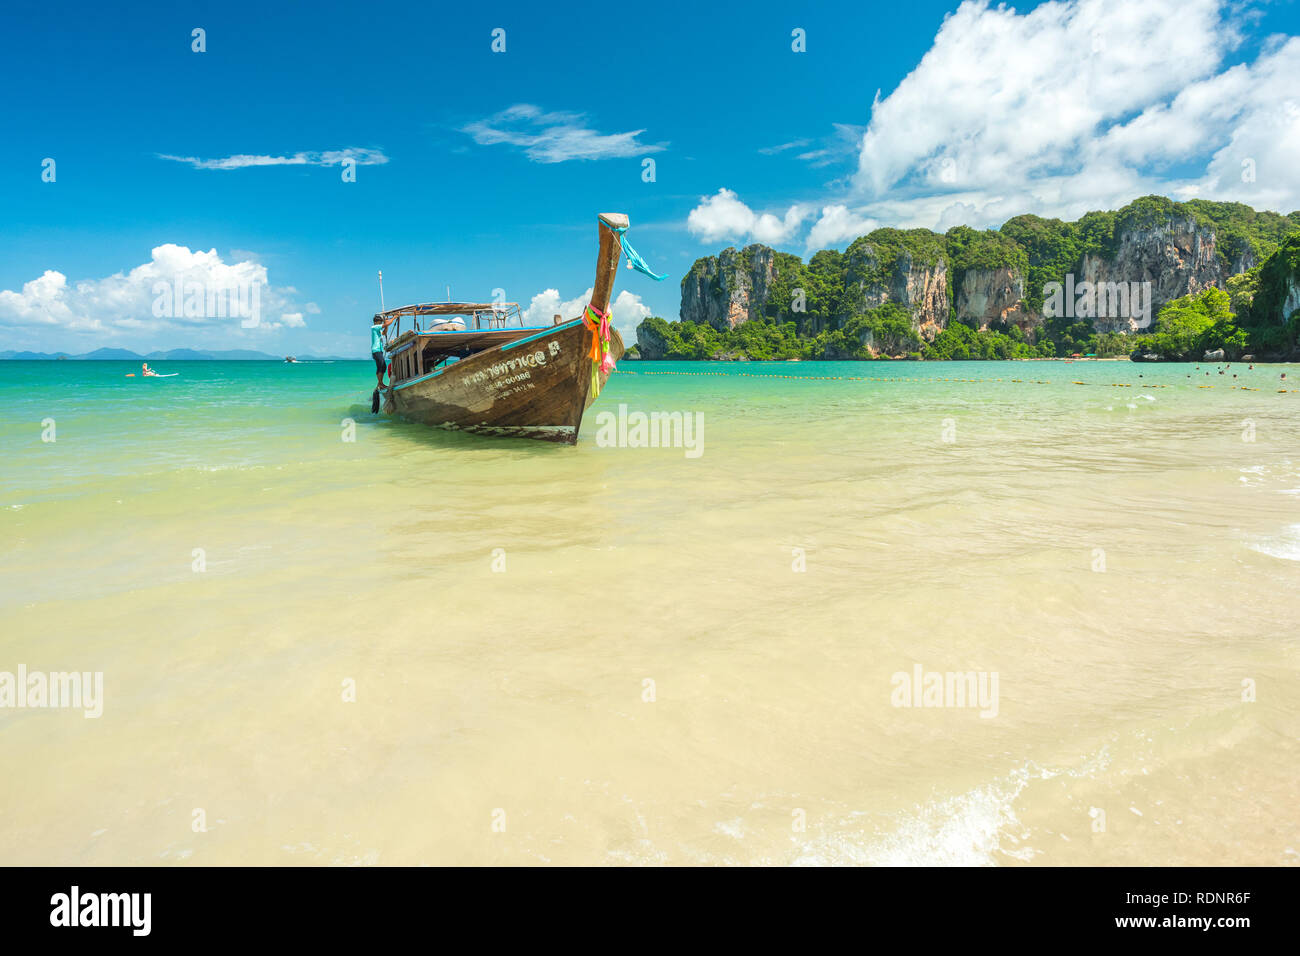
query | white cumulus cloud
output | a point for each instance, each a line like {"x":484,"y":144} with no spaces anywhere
{"x":139,"y":305}
{"x":838,"y":224}
{"x":626,"y":312}
{"x":1067,"y":107}
{"x":1079,"y":105}
{"x":724,"y":216}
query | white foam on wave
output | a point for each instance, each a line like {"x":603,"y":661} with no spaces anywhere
{"x":968,"y":829}
{"x":975,"y":828}
{"x":732,"y":828}
{"x":1285,"y":545}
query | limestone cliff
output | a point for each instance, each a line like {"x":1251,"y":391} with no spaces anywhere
{"x":992,"y":277}
{"x":882,"y":270}
{"x":650,"y":341}
{"x":1177,"y":256}
{"x":733,"y":287}
{"x":987,"y":296}
{"x":729,"y":288}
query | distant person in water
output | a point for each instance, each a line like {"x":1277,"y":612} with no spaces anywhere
{"x":377,"y":330}
{"x":146,"y":370}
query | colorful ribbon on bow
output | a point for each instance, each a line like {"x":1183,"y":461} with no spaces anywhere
{"x":633,"y":259}
{"x":602,"y":359}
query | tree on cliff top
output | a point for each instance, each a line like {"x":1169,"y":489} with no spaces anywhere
{"x":968,"y":249}
{"x":1242,"y":232}
{"x":886,"y":247}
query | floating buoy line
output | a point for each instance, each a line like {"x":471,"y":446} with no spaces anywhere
{"x":970,"y":381}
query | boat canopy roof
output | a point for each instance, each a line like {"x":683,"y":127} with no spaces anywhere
{"x":451,"y":308}
{"x":471,"y":340}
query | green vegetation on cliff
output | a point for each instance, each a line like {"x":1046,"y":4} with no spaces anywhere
{"x":822,"y":283}
{"x":873,"y":259}
{"x":961,"y":343}
{"x":1244,"y":234}
{"x":1187,"y":328}
{"x":1277,"y":277}
{"x":759,"y":340}
{"x":885,"y":329}
{"x":968,"y":249}
{"x":1247,"y":319}
{"x":881,"y":332}
{"x":1054,"y":248}
{"x":830,"y":307}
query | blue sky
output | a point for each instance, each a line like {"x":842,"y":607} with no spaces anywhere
{"x":485,"y":170}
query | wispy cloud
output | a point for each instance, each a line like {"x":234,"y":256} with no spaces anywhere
{"x":793,"y":144}
{"x":842,"y":143}
{"x":555,"y":137}
{"x":332,"y":157}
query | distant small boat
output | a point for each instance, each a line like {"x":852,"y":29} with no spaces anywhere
{"x":476,"y":367}
{"x":290,"y":360}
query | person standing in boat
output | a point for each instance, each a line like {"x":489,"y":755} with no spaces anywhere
{"x":377,"y":331}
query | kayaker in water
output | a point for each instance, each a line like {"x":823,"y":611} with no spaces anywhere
{"x":377,"y":330}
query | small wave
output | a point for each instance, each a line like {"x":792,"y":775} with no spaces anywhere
{"x":964,"y":830}
{"x":975,"y":828}
{"x":1285,"y":545}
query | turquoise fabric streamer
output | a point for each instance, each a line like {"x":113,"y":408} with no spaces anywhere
{"x":634,"y":259}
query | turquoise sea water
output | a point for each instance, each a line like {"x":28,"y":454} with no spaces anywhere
{"x":231,"y":545}
{"x":223,"y":415}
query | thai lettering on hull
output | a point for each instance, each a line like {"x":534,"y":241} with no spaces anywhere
{"x":513,"y":368}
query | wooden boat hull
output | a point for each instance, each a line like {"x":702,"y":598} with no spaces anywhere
{"x":537,"y":386}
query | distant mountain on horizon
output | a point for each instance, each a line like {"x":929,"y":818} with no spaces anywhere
{"x":170,"y":355}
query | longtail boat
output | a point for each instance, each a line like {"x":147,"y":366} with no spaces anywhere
{"x":476,"y":367}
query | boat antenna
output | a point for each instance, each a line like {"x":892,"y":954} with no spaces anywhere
{"x":381,"y":290}
{"x":449,"y":292}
